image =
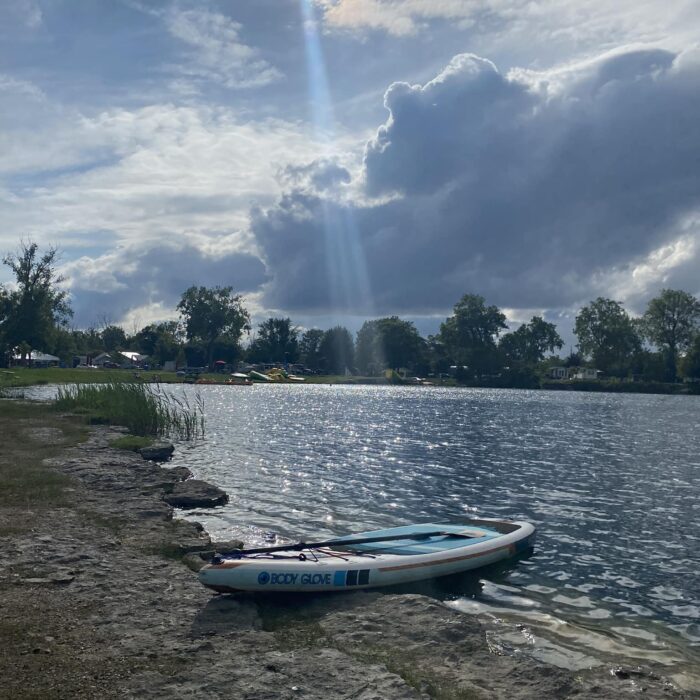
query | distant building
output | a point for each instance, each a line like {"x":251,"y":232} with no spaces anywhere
{"x":559,"y":373}
{"x":586,"y":373}
{"x":132,"y":359}
{"x":101,"y":359}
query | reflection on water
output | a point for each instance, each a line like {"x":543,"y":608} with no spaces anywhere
{"x":611,"y":481}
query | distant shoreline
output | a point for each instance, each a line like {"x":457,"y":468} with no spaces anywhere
{"x":19,"y":377}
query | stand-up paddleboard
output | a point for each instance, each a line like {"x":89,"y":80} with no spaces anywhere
{"x":370,"y":559}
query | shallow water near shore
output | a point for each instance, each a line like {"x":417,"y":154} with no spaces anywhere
{"x":611,"y":481}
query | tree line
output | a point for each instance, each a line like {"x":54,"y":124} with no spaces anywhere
{"x":473,"y":343}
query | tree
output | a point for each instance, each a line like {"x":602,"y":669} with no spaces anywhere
{"x":38,"y":305}
{"x":161,"y":341}
{"x":670,"y":322}
{"x":469,"y":335}
{"x":387,"y":343}
{"x":310,"y":348}
{"x":277,"y":341}
{"x":690,"y":364}
{"x":5,"y":306}
{"x":211,"y":314}
{"x":336,"y":350}
{"x":530,"y":342}
{"x":438,"y":358}
{"x":608,"y":335}
{"x":87,"y":342}
{"x":113,"y":338}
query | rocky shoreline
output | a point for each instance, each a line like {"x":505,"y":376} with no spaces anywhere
{"x":105,"y":607}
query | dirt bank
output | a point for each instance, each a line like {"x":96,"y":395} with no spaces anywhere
{"x":96,"y":603}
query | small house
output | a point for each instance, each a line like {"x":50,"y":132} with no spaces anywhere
{"x":102,"y":359}
{"x":587,"y":373}
{"x":559,"y":373}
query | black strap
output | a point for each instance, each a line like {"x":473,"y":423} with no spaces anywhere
{"x":299,"y":546}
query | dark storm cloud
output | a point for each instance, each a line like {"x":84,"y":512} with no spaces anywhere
{"x":111,"y":286}
{"x":530,"y":189}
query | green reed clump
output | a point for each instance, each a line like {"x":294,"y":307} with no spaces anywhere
{"x":144,"y":409}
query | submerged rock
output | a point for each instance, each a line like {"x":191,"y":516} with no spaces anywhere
{"x":194,"y":493}
{"x":160,"y":451}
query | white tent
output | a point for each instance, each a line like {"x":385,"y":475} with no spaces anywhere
{"x":39,"y":358}
{"x":133,"y":356}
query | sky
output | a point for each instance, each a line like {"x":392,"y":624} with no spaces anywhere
{"x":338,"y":160}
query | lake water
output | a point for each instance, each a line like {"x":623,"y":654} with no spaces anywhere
{"x":611,"y":481}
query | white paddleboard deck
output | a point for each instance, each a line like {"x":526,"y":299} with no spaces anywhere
{"x":462,"y":547}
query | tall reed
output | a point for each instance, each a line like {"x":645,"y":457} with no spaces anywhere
{"x":144,"y":409}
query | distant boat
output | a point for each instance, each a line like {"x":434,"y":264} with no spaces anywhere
{"x":258,"y":376}
{"x":239,"y":379}
{"x":370,"y":559}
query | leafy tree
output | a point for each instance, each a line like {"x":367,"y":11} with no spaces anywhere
{"x":573,"y":359}
{"x":64,"y":345}
{"x":437,"y":355}
{"x":690,"y":365}
{"x":670,"y":322}
{"x":649,"y":366}
{"x":113,"y":338}
{"x":400,"y":342}
{"x":37,"y":306}
{"x":310,"y":348}
{"x":277,"y":341}
{"x":161,"y":341}
{"x":529,"y":343}
{"x":387,"y":343}
{"x":608,"y":335}
{"x":146,"y":339}
{"x":336,"y":350}
{"x":5,"y":306}
{"x":469,"y":335}
{"x":369,"y":351}
{"x":87,"y":342}
{"x":211,"y":314}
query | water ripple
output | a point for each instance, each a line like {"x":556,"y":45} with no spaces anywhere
{"x":610,"y":480}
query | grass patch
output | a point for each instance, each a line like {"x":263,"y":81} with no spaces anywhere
{"x":26,"y":482}
{"x":131,"y":442}
{"x":144,"y":409}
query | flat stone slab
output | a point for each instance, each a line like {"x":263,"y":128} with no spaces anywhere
{"x":195,"y":493}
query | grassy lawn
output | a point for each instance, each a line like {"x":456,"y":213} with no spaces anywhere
{"x":21,"y":376}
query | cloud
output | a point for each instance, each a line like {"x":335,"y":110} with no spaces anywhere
{"x":117,"y":283}
{"x":26,"y":12}
{"x":143,"y":174}
{"x":216,"y":52}
{"x":535,"y":190}
{"x":555,"y":21}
